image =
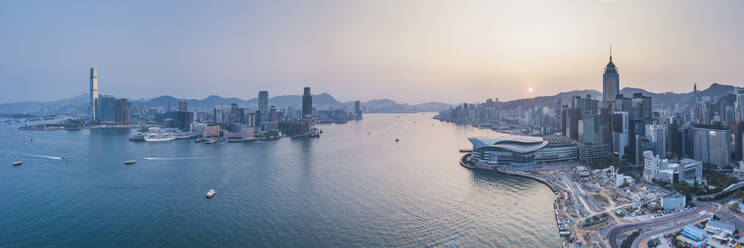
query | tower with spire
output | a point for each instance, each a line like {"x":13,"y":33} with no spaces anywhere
{"x":610,"y":81}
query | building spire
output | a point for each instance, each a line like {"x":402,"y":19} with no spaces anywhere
{"x":610,"y":51}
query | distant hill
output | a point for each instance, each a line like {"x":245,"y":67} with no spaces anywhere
{"x":320,"y":101}
{"x":664,"y":99}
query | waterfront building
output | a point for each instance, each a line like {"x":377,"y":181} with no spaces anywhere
{"x":610,"y":82}
{"x":106,"y":109}
{"x":263,"y":105}
{"x":307,"y":103}
{"x":123,"y":111}
{"x":522,"y":150}
{"x":358,"y":110}
{"x":93,"y":107}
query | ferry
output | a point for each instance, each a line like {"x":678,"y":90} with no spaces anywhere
{"x":128,"y":162}
{"x":211,"y":193}
{"x":158,"y":137}
{"x":17,"y":163}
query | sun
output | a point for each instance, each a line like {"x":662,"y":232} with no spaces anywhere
{"x":530,"y":90}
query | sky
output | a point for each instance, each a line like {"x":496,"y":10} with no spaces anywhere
{"x":406,"y":50}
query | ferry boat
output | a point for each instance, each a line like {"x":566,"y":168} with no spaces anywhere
{"x":17,"y":163}
{"x":159,"y":137}
{"x":211,"y":193}
{"x":128,"y":162}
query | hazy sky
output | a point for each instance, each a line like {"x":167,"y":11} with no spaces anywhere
{"x":409,"y":51}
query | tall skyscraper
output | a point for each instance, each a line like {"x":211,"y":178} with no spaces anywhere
{"x":610,"y":82}
{"x":183,"y":105}
{"x":263,"y":104}
{"x":307,"y":103}
{"x":92,"y":109}
{"x":739,"y":108}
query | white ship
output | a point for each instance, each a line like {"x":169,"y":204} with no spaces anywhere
{"x":159,"y":137}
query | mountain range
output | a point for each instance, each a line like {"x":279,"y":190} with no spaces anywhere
{"x":325,"y":101}
{"x":660,"y":99}
{"x":320,"y":101}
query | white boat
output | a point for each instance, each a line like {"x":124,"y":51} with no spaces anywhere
{"x":128,"y":162}
{"x":158,"y":137}
{"x":211,"y":193}
{"x":17,"y":163}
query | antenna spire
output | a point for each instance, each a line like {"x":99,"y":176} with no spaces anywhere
{"x":610,"y":52}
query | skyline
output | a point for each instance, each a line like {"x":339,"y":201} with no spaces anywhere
{"x":409,"y":52}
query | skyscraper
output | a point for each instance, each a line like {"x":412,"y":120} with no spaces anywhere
{"x":610,"y":82}
{"x":263,"y":104}
{"x":307,"y":103}
{"x":183,"y":105}
{"x":92,"y":109}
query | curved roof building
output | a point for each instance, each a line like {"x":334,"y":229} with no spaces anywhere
{"x":521,"y":150}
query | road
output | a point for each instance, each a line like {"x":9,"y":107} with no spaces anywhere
{"x":673,"y":220}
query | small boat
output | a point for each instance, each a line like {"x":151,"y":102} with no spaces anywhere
{"x":396,"y":140}
{"x":128,"y":162}
{"x":63,"y":157}
{"x":17,"y":163}
{"x":211,"y":193}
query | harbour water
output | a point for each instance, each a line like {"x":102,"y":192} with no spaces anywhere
{"x":353,"y":187}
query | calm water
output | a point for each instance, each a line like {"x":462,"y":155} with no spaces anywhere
{"x":353,"y":187}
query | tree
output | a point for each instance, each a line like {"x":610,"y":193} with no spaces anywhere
{"x":734,"y":206}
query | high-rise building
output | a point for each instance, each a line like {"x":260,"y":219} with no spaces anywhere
{"x":93,"y":108}
{"x":263,"y":104}
{"x":183,"y":105}
{"x":123,"y":111}
{"x":358,"y":110}
{"x":739,"y":108}
{"x":610,"y":82}
{"x":307,"y":103}
{"x":106,"y":109}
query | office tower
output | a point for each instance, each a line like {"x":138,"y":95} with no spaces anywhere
{"x":183,"y":105}
{"x":106,"y":109}
{"x":93,"y":108}
{"x":218,"y":114}
{"x":263,"y":104}
{"x":739,"y":141}
{"x":272,"y":114}
{"x":711,"y":145}
{"x":307,"y":103}
{"x":739,"y":108}
{"x":610,"y":82}
{"x":123,"y":111}
{"x":358,"y":109}
{"x":620,"y":133}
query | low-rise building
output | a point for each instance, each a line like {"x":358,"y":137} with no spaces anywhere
{"x":672,"y":203}
{"x":521,"y":150}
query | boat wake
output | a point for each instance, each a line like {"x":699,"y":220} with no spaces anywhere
{"x":39,"y":156}
{"x":181,"y":158}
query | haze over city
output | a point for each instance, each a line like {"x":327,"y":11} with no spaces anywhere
{"x":408,"y":51}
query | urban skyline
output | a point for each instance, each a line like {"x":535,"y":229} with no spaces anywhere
{"x":477,"y":54}
{"x":537,"y":123}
